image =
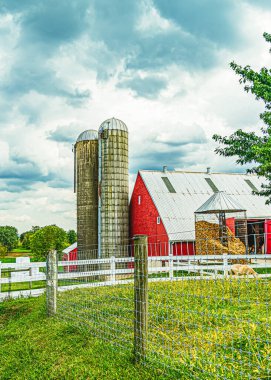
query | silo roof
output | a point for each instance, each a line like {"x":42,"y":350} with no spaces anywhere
{"x":113,"y":124}
{"x":89,"y":134}
{"x":220,"y":201}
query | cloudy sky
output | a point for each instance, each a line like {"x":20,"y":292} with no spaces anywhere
{"x":162,"y":66}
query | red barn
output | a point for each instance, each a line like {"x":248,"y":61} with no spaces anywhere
{"x":163,"y":205}
{"x":70,"y":254}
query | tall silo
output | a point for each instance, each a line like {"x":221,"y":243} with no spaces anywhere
{"x":86,"y":187}
{"x":113,"y":218}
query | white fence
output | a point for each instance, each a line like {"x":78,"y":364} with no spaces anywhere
{"x":173,"y":267}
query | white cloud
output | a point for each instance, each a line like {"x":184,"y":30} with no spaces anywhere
{"x":152,"y":22}
{"x":174,"y":127}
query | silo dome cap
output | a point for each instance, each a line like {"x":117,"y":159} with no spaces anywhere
{"x":113,"y":124}
{"x":89,"y":134}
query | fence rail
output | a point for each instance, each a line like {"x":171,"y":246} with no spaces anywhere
{"x":174,"y":266}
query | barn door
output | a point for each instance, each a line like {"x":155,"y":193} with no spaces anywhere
{"x":267,"y":230}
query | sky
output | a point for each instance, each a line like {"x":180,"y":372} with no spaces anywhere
{"x":161,"y":66}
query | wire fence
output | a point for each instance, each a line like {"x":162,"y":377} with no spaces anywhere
{"x":21,"y":278}
{"x":196,"y":316}
{"x":197,"y":310}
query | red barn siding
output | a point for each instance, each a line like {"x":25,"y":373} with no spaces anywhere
{"x":143,"y":220}
{"x":71,"y":256}
{"x":183,"y":248}
{"x":267,"y":230}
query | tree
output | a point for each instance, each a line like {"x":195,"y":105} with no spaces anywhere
{"x":8,"y":237}
{"x":47,"y":239}
{"x":3,"y":250}
{"x":25,"y":237}
{"x":72,"y":236}
{"x":253,"y":148}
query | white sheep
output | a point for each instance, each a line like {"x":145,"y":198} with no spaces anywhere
{"x":242,"y":270}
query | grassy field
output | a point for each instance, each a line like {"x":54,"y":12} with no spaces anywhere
{"x":19,"y":252}
{"x":10,"y":257}
{"x":197,"y":330}
{"x":8,"y":260}
{"x":36,"y":347}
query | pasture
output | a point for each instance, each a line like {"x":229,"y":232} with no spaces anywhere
{"x":35,"y":347}
{"x":198,"y":328}
{"x":207,"y":329}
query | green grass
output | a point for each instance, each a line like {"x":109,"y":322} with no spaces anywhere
{"x":197,"y":329}
{"x":36,"y":347}
{"x":21,"y":250}
{"x":7,"y":260}
{"x":202,"y":330}
{"x":13,"y":259}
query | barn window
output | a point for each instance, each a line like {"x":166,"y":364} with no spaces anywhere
{"x":211,"y":184}
{"x":251,"y":185}
{"x":168,"y":185}
{"x":158,"y":220}
{"x":139,"y":199}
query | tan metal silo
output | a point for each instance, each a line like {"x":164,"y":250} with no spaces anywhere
{"x":86,"y":187}
{"x":113,"y":218}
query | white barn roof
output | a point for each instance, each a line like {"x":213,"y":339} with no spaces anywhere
{"x":70,"y":248}
{"x":177,"y":195}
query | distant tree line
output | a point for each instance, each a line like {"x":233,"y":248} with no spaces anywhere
{"x":40,"y":240}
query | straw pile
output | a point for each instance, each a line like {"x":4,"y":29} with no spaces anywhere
{"x":208,"y":242}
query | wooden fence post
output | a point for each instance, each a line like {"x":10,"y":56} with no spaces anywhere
{"x":51,"y":283}
{"x":140,"y":296}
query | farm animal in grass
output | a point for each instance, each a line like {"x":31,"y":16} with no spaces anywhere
{"x":242,"y":270}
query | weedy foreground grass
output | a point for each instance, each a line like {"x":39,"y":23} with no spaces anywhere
{"x":217,"y":329}
{"x":36,"y":347}
{"x":198,"y":329}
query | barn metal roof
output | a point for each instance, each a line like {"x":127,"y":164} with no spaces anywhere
{"x":70,"y":248}
{"x":220,"y":201}
{"x":89,"y":134}
{"x":192,"y":190}
{"x":113,"y":124}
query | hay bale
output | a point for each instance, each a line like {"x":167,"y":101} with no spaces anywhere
{"x":209,"y":243}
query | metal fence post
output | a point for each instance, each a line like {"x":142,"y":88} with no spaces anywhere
{"x":171,"y":270}
{"x":51,"y":282}
{"x":225,"y":265}
{"x":113,"y":269}
{"x":140,"y":296}
{"x":0,"y":276}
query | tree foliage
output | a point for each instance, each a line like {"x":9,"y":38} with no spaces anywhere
{"x":251,"y":147}
{"x":8,"y":237}
{"x":72,"y":236}
{"x":3,"y":250}
{"x":46,"y":239}
{"x":25,"y":237}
